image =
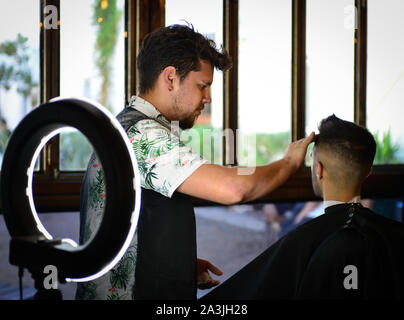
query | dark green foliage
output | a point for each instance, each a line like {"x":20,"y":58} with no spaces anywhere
{"x":14,"y":67}
{"x":120,"y":274}
{"x":97,"y":191}
{"x":75,"y":151}
{"x":268,"y":146}
{"x":106,"y":20}
{"x":387,"y":152}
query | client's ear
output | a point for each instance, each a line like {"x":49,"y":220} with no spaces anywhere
{"x":319,"y":170}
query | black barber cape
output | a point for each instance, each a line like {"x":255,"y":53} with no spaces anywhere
{"x":349,"y":252}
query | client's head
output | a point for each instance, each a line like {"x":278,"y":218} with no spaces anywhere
{"x":343,"y":155}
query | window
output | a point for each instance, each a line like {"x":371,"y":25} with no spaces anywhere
{"x":310,"y":49}
{"x":264,"y":80}
{"x":206,"y":136}
{"x":19,"y":64}
{"x":385,"y":79}
{"x":329,"y":61}
{"x":390,"y":208}
{"x":92,"y":65}
{"x":243,"y":234}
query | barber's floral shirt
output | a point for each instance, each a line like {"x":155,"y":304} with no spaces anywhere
{"x":164,"y":163}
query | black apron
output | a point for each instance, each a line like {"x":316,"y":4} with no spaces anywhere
{"x":166,"y":257}
{"x":166,"y":253}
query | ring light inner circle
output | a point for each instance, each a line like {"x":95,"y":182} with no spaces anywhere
{"x":30,"y":173}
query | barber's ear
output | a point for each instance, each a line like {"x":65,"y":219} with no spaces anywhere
{"x":319,"y":170}
{"x":169,"y":74}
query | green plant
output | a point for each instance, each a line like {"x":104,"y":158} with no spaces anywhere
{"x":205,"y":140}
{"x":75,"y":151}
{"x":387,"y":152}
{"x":268,"y":146}
{"x":106,"y":19}
{"x":14,"y":67}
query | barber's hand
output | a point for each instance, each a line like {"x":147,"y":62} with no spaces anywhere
{"x":204,"y":280}
{"x":296,"y":151}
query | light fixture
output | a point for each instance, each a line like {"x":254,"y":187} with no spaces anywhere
{"x":104,"y":4}
{"x":31,"y":245}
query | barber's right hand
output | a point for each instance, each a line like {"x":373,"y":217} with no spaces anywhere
{"x":296,"y":151}
{"x":204,"y":279}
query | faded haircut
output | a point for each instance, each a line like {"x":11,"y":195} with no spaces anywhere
{"x":351,"y":143}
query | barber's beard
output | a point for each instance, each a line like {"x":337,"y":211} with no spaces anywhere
{"x":188,"y":122}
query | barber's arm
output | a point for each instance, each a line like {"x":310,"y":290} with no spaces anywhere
{"x":227,"y":186}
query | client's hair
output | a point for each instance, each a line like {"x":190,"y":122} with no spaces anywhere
{"x":352,"y":145}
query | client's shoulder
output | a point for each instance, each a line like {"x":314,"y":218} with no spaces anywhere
{"x":314,"y":230}
{"x":382,"y":223}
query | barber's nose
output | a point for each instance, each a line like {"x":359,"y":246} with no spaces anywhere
{"x":206,"y":97}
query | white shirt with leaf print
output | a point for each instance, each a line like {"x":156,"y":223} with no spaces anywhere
{"x":164,"y":163}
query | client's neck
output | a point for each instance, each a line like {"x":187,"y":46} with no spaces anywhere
{"x":346,"y":194}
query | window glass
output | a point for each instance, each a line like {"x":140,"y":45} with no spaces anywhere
{"x":92,"y":65}
{"x":241,"y":230}
{"x":207,"y":18}
{"x":329,"y":60}
{"x":389,"y":208}
{"x":19,"y":64}
{"x":385,"y":79}
{"x":264,"y":80}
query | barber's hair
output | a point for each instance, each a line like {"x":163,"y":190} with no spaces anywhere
{"x":179,"y":46}
{"x":347,"y":140}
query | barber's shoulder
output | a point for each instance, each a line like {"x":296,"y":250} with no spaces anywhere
{"x":148,"y":127}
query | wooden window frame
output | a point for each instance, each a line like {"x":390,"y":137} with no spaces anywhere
{"x":56,"y":190}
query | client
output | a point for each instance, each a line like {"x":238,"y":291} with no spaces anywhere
{"x":349,"y":252}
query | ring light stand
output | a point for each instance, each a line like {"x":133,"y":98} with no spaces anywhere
{"x":31,"y":246}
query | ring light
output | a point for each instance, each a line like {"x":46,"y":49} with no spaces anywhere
{"x":31,"y":246}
